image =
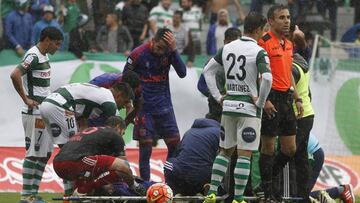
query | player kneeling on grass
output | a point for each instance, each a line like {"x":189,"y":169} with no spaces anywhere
{"x":242,"y":104}
{"x":107,"y":80}
{"x":68,"y":109}
{"x":95,"y":157}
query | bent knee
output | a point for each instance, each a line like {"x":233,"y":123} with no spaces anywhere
{"x":289,"y":151}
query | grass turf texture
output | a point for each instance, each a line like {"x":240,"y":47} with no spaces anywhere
{"x":12,"y":197}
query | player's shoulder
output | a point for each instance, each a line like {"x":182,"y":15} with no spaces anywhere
{"x":33,"y":51}
{"x":265,"y":38}
{"x":105,"y":95}
{"x":36,"y":54}
{"x":109,"y":132}
{"x":157,"y":8}
{"x":137,"y":52}
{"x":231,"y":45}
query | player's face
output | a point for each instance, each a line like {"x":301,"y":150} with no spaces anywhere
{"x":109,"y":20}
{"x":185,"y":4}
{"x":259,"y":33}
{"x":166,"y":3}
{"x":53,"y":46}
{"x":121,"y":100}
{"x":281,"y":22}
{"x":159,"y":47}
{"x":48,"y":16}
{"x":223,"y":18}
{"x":176,"y":19}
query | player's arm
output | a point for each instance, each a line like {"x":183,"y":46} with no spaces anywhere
{"x":118,"y":147}
{"x":202,"y":86}
{"x":152,"y":21}
{"x":215,"y":64}
{"x":9,"y":32}
{"x":296,"y":74}
{"x":175,"y":58}
{"x":239,"y":10}
{"x":299,"y":38}
{"x":16,"y":77}
{"x":109,"y":109}
{"x":82,"y":123}
{"x":105,"y":80}
{"x":298,"y":100}
{"x":131,"y":61}
{"x":138,"y":102}
{"x":263,"y":66}
{"x":178,"y":64}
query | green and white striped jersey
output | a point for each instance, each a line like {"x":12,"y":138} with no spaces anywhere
{"x":162,"y":17}
{"x":192,"y":19}
{"x":35,"y":68}
{"x":86,"y":100}
{"x":243,"y":62}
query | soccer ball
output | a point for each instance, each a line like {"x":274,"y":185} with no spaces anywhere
{"x":159,"y":193}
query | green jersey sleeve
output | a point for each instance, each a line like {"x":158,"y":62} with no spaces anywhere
{"x":109,"y":109}
{"x":30,"y":61}
{"x":263,"y":62}
{"x":218,"y":56}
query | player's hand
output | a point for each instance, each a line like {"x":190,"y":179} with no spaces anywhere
{"x":254,"y":99}
{"x":20,"y":51}
{"x":31,"y":103}
{"x":270,"y":109}
{"x":189,"y":64}
{"x":83,"y":58}
{"x":127,"y":53}
{"x":170,"y":40}
{"x":298,"y":32}
{"x":300,"y":110}
{"x":221,"y":102}
{"x":142,"y":37}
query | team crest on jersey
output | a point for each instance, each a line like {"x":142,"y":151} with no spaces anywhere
{"x":164,"y":61}
{"x":27,"y":61}
{"x":129,"y":60}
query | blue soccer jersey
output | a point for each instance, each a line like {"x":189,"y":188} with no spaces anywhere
{"x":153,"y":71}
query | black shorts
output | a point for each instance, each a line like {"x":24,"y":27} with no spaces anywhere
{"x":283,"y":123}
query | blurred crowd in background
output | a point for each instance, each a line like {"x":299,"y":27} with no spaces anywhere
{"x":198,"y":25}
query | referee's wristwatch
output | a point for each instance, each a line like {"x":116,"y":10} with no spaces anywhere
{"x":298,"y":100}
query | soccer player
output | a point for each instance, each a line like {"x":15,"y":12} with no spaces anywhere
{"x":279,"y":118}
{"x":152,"y":62}
{"x":31,"y":80}
{"x":215,"y":109}
{"x":343,"y":192}
{"x":301,"y":75}
{"x":107,"y":80}
{"x":73,"y":104}
{"x":190,"y":169}
{"x":242,"y":61}
{"x":93,"y":158}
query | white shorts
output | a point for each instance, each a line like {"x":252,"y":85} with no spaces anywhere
{"x":60,"y":123}
{"x":241,"y":131}
{"x":37,"y":140}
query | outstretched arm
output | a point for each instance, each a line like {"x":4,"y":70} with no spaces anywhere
{"x":175,"y":58}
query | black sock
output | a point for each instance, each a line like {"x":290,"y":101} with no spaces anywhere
{"x":266,"y":165}
{"x":279,"y":162}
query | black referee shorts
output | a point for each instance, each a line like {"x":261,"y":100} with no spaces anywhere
{"x":283,"y":122}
